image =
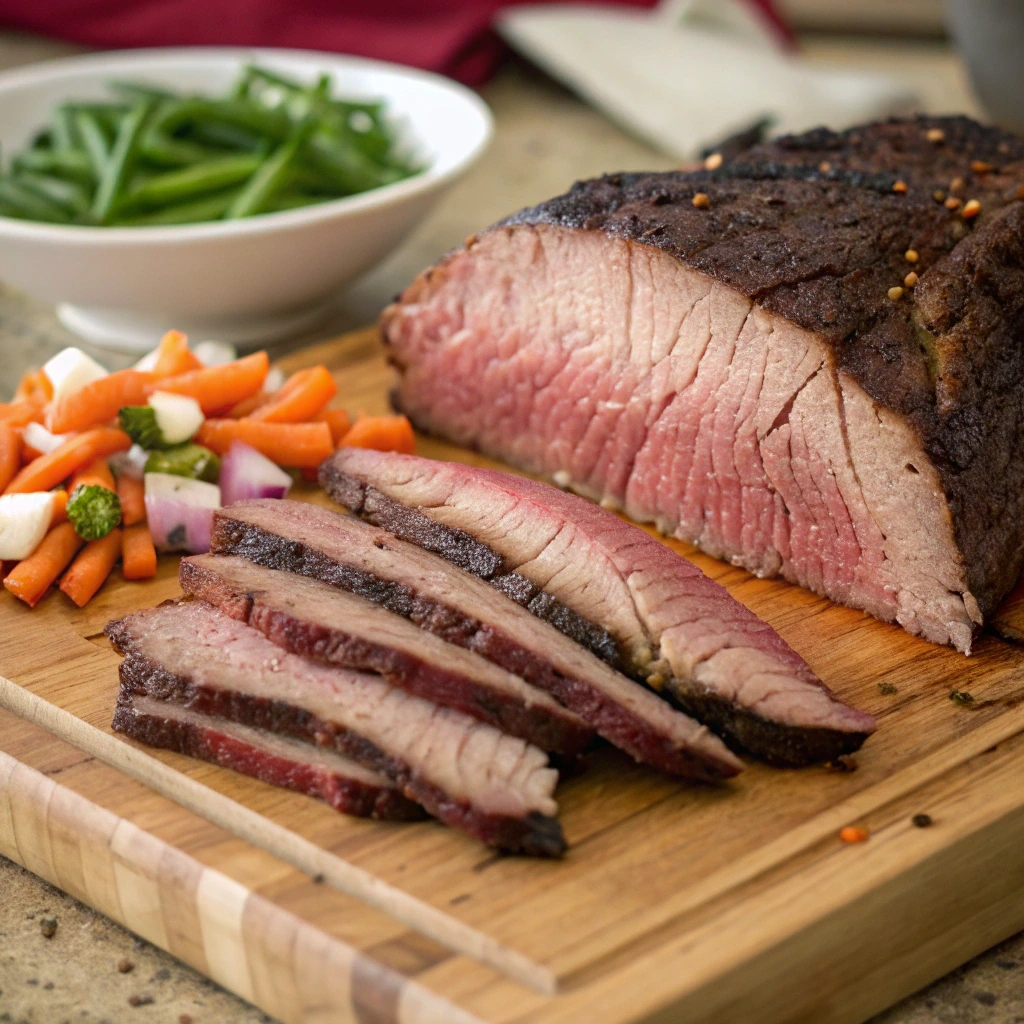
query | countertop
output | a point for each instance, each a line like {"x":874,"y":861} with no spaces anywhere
{"x":88,"y":969}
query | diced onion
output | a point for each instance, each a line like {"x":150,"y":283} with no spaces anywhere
{"x":245,"y":473}
{"x":180,"y":512}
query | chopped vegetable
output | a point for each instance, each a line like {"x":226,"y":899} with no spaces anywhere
{"x":177,"y":416}
{"x":99,"y":401}
{"x":52,"y":469}
{"x":139,"y":423}
{"x":21,"y":413}
{"x":180,"y":512}
{"x":24,"y":520}
{"x":60,"y":506}
{"x":71,"y":369}
{"x":10,"y":454}
{"x":215,"y":353}
{"x":91,"y":568}
{"x":131,"y":463}
{"x":245,"y":473}
{"x":138,"y":555}
{"x":249,"y":405}
{"x":190,"y":460}
{"x":132,"y":495}
{"x":118,"y":168}
{"x":37,"y":437}
{"x":93,"y":510}
{"x":302,"y":445}
{"x":35,"y":386}
{"x":218,"y":388}
{"x":338,"y":421}
{"x":302,"y":397}
{"x":173,"y":356}
{"x":382,"y":433}
{"x":853,"y":834}
{"x":32,"y":576}
{"x":97,"y":473}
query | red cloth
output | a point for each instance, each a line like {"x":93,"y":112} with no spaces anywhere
{"x":452,"y":37}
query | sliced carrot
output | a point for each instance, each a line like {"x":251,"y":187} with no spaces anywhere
{"x":133,"y":505}
{"x":338,"y":421}
{"x":96,"y":472}
{"x":10,"y":454}
{"x":34,"y":386}
{"x":382,"y":433}
{"x":55,"y":467}
{"x":98,"y":402}
{"x":216,"y":388}
{"x":22,"y":412}
{"x":91,"y":568}
{"x":303,"y":445}
{"x":60,"y":507}
{"x":249,"y":405}
{"x":302,"y":396}
{"x":173,"y":356}
{"x":138,"y":556}
{"x":32,"y":576}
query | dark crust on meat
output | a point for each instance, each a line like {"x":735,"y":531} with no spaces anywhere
{"x":616,"y":723}
{"x":537,"y":725}
{"x":347,"y":795}
{"x":773,"y":741}
{"x":810,"y":227}
{"x":465,"y":551}
{"x":536,"y":834}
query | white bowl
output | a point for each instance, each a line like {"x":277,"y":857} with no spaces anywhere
{"x":244,"y":281}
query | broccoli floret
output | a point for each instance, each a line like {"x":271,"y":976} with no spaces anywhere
{"x":93,"y":511}
{"x":192,"y":460}
{"x":139,"y":423}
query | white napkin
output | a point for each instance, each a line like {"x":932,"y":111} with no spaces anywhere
{"x":691,"y":72}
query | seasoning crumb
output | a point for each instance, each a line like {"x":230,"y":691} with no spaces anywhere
{"x":319,"y":879}
{"x":48,"y":927}
{"x":921,"y":820}
{"x":911,"y":279}
{"x":911,"y":256}
{"x":899,"y":186}
{"x":938,"y":195}
{"x":853,"y":834}
{"x":971,"y":209}
{"x":140,"y":1000}
{"x":952,"y":203}
{"x":980,"y":167}
{"x":125,"y":966}
{"x":701,"y":201}
{"x":895,"y":293}
{"x":824,"y":167}
{"x":888,"y":688}
{"x":713,"y":162}
{"x":961,"y":697}
{"x":935,"y":135}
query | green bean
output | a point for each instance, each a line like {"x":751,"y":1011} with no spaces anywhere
{"x":121,"y":162}
{"x":68,"y":195}
{"x":275,"y":124}
{"x":296,"y":201}
{"x":350,"y":169}
{"x":29,"y":205}
{"x":136,"y":91}
{"x":211,"y":207}
{"x":73,"y":164}
{"x":209,"y":176}
{"x":63,"y":128}
{"x":216,"y":133}
{"x":254,"y":71}
{"x":164,"y":150}
{"x":93,"y":140}
{"x":266,"y":182}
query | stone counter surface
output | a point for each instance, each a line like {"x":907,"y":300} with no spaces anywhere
{"x":62,"y":963}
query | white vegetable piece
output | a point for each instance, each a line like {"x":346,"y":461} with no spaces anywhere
{"x":37,"y":436}
{"x":70,"y":370}
{"x":179,"y":511}
{"x":274,"y":380}
{"x":148,"y":361}
{"x":177,"y":416}
{"x":24,"y":520}
{"x":245,"y":473}
{"x":215,"y":353}
{"x":131,"y":463}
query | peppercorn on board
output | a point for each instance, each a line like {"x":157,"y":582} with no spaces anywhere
{"x":675,"y":902}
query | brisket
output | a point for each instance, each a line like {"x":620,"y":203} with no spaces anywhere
{"x":753,"y":373}
{"x":460,"y":608}
{"x":337,"y":628}
{"x":464,"y":772}
{"x":278,"y":760}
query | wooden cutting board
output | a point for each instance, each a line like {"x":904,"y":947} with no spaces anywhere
{"x":675,"y":902}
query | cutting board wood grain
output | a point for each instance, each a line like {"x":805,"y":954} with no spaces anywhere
{"x":675,"y":902}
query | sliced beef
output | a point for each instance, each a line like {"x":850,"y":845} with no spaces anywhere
{"x":337,"y":628}
{"x":460,"y":608}
{"x":278,"y":760}
{"x":572,"y":562}
{"x":464,"y":772}
{"x":751,"y":371}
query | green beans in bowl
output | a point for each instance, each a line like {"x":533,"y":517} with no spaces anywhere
{"x":226,"y":192}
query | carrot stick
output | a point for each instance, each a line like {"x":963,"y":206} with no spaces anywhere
{"x":22,"y":412}
{"x":138,"y":556}
{"x":55,"y":467}
{"x":96,"y":472}
{"x":173,"y":356}
{"x":218,"y":388}
{"x":91,"y":568}
{"x":383,"y":433}
{"x":29,"y":454}
{"x":132,"y":495}
{"x":304,"y":445}
{"x":338,"y":421}
{"x":249,"y":405}
{"x":10,"y":454}
{"x":31,"y":577}
{"x":34,"y":386}
{"x":99,"y":401}
{"x":60,"y":507}
{"x":302,"y":396}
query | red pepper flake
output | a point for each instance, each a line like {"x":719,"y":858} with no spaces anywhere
{"x":899,"y":186}
{"x":971,"y":209}
{"x":980,"y":167}
{"x":853,"y":834}
{"x":701,"y":201}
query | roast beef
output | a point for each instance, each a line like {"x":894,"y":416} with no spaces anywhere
{"x":806,"y":361}
{"x":337,"y":628}
{"x":461,"y":609}
{"x":574,"y":563}
{"x":278,"y":760}
{"x":464,"y":772}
